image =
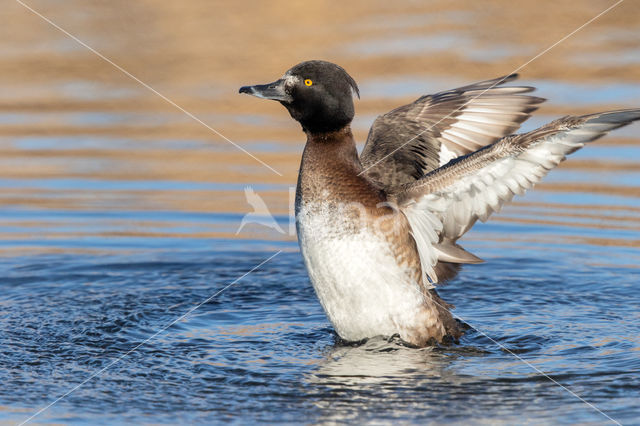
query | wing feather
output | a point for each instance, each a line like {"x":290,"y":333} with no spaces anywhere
{"x":412,"y":140}
{"x":477,"y":185}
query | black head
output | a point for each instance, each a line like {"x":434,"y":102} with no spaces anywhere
{"x":318,"y":94}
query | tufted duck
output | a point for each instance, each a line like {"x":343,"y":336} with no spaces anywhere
{"x":378,"y":231}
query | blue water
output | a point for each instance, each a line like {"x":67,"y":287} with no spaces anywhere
{"x":554,"y":301}
{"x":263,"y":350}
{"x":553,"y":313}
{"x":128,"y":294}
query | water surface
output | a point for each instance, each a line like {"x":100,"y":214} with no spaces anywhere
{"x":119,"y":214}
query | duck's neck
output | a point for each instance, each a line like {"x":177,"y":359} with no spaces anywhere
{"x":331,"y":168}
{"x":333,"y":149}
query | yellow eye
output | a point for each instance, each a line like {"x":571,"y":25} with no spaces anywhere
{"x":308,"y":82}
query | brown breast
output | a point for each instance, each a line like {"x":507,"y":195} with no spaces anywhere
{"x":330,"y":172}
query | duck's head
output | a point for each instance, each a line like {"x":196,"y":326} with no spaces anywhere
{"x":318,"y":94}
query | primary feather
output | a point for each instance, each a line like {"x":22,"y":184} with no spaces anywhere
{"x":445,"y":203}
{"x":412,"y":140}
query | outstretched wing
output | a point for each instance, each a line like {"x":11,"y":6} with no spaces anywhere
{"x":445,"y":204}
{"x":412,"y":140}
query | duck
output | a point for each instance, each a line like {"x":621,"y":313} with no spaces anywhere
{"x":378,"y":231}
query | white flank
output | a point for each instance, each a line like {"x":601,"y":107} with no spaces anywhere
{"x":360,"y":285}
